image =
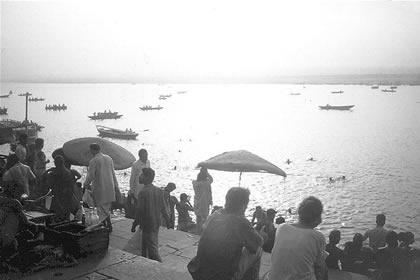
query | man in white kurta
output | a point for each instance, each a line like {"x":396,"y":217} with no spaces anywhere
{"x":102,"y":181}
{"x":136,"y":171}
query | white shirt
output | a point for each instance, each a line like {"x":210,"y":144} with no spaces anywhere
{"x":101,"y":175}
{"x":295,"y":252}
{"x":136,"y":171}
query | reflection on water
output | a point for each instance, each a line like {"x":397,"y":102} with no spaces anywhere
{"x":375,"y":145}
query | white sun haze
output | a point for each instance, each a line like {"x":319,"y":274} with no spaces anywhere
{"x":143,"y":40}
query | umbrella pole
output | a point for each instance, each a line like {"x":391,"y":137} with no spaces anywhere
{"x":240,"y":176}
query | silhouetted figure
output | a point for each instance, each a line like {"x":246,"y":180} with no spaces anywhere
{"x":335,"y":253}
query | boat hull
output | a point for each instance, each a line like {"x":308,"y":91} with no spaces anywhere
{"x":118,"y":136}
{"x":105,"y":117}
{"x":115,"y":133}
{"x":339,"y":108}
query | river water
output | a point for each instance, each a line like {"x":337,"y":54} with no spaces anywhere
{"x":376,"y":145}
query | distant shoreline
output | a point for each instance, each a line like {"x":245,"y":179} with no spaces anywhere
{"x":366,"y":79}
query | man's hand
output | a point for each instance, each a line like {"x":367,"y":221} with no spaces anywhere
{"x":133,"y":228}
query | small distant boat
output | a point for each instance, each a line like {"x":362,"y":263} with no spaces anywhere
{"x":3,"y":111}
{"x":35,"y":99}
{"x":164,"y":96}
{"x":393,"y":87}
{"x":116,"y":133}
{"x":55,"y":107}
{"x":389,"y":90}
{"x":337,"y":92}
{"x":295,"y":93}
{"x":25,"y":94}
{"x":182,"y":92}
{"x":105,"y":115}
{"x":374,"y":87}
{"x":331,"y":107}
{"x":148,"y":108}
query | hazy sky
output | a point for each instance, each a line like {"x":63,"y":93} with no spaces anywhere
{"x":72,"y":40}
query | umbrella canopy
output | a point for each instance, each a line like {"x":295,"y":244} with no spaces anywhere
{"x":241,"y":161}
{"x":78,"y":152}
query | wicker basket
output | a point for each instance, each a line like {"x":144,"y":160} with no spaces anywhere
{"x":78,"y":242}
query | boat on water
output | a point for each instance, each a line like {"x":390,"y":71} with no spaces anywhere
{"x":164,"y":96}
{"x":389,"y":90}
{"x":105,"y":115}
{"x":35,"y":99}
{"x":3,"y":111}
{"x":374,"y":87}
{"x":55,"y":107}
{"x":337,"y":92}
{"x":393,"y":87}
{"x":5,"y":95}
{"x":11,"y":129}
{"x":182,"y":92}
{"x":295,"y":93}
{"x":25,"y":94}
{"x":116,"y":133}
{"x":148,"y":108}
{"x":332,"y":107}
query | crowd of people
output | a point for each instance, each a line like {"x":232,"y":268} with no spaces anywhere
{"x":230,"y":246}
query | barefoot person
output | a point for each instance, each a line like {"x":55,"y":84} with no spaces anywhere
{"x":102,"y":180}
{"x":202,"y":197}
{"x":151,"y":207}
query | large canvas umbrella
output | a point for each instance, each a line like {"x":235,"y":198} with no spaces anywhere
{"x":241,"y":161}
{"x":78,"y":152}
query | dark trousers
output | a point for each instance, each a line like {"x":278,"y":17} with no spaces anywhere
{"x":150,"y":245}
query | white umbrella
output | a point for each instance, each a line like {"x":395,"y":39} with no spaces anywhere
{"x":241,"y":161}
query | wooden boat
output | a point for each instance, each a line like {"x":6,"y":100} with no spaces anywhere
{"x":374,"y":87}
{"x":148,"y":108}
{"x":331,"y":107}
{"x":164,"y":96}
{"x":25,"y":94}
{"x":337,"y":92}
{"x":389,"y":90}
{"x":55,"y":107}
{"x":105,"y":115}
{"x":35,"y":99}
{"x":116,"y":133}
{"x":3,"y":111}
{"x":393,"y":87}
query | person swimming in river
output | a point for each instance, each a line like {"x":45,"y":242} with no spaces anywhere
{"x":288,"y":161}
{"x":341,"y":178}
{"x":311,"y":159}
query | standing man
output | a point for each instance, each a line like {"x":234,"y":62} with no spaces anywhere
{"x":377,"y":235}
{"x":229,"y":248}
{"x":151,"y":207}
{"x":202,"y":197}
{"x":136,"y":170}
{"x":102,"y":181}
